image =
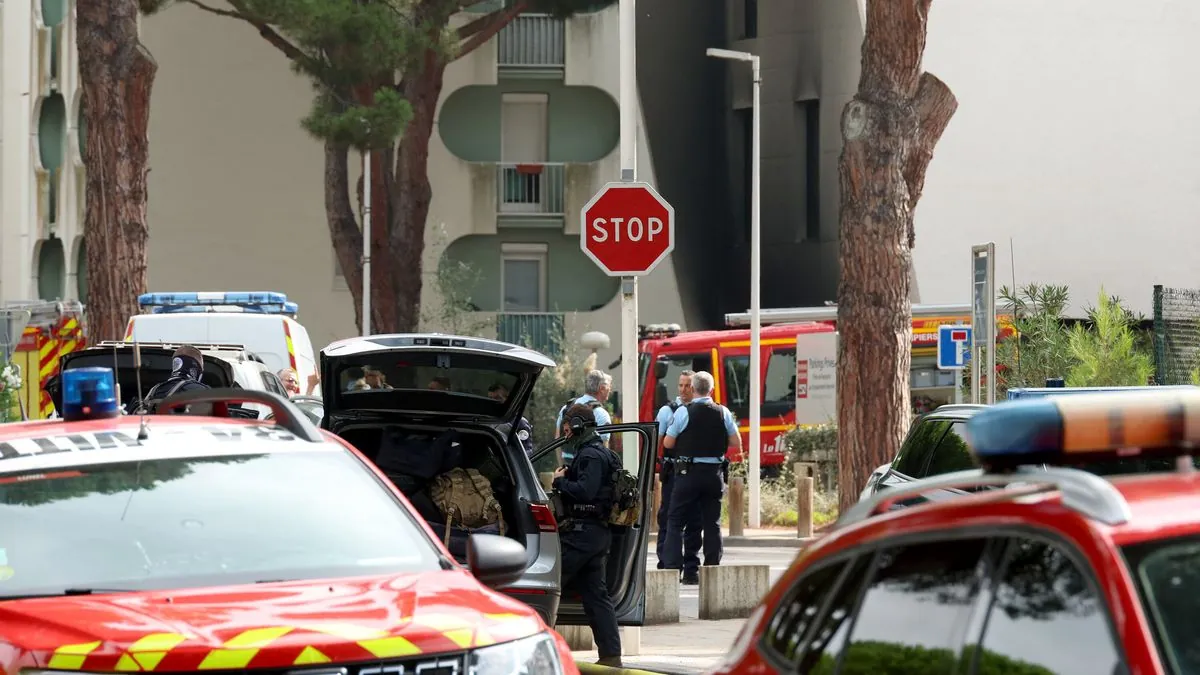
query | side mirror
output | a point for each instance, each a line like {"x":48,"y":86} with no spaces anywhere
{"x":495,"y":561}
{"x":660,"y":369}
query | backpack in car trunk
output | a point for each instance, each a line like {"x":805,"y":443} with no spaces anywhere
{"x":465,"y":498}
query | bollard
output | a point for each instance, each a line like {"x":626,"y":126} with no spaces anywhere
{"x":662,"y":597}
{"x":804,"y":507}
{"x":737,"y":506}
{"x":732,"y":591}
{"x":579,"y":638}
{"x":656,"y":502}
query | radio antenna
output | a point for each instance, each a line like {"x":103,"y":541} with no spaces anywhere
{"x":137,"y":368}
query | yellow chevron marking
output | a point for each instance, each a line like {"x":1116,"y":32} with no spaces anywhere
{"x":483,"y":639}
{"x":460,"y":636}
{"x":127,"y":664}
{"x":227,"y":659}
{"x":346,"y":631}
{"x":157,"y":642}
{"x":390,"y":647}
{"x":309,"y":656}
{"x":256,"y":638}
{"x":71,"y":657}
{"x":241,"y":649}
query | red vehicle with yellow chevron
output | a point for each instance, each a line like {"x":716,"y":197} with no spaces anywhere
{"x":195,"y":543}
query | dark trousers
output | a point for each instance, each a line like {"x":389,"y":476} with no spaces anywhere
{"x":695,"y":494}
{"x":691,"y":529}
{"x":584,"y":568}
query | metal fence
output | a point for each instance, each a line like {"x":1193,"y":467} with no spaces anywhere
{"x":533,"y":41}
{"x":543,"y":332}
{"x":1176,"y":334}
{"x":531,"y":189}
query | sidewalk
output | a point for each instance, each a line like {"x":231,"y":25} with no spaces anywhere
{"x":690,"y":646}
{"x":759,"y":538}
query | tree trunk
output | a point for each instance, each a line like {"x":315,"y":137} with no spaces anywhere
{"x":116,"y":74}
{"x":412,"y":193}
{"x":889,"y":130}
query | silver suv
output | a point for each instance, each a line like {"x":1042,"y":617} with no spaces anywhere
{"x":397,"y":394}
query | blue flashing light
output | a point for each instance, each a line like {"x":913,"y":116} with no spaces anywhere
{"x":263,"y":302}
{"x":286,"y":308}
{"x":1086,"y":428}
{"x":89,"y":394}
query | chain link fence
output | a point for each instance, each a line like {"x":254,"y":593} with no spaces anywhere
{"x":1176,"y":334}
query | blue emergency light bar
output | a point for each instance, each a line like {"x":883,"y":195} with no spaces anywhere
{"x":262,"y":302}
{"x":1086,"y":428}
{"x":89,"y":394}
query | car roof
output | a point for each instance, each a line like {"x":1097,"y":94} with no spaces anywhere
{"x":956,"y":411}
{"x":57,"y":444}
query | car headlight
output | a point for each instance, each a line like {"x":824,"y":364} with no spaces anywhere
{"x":536,"y":655}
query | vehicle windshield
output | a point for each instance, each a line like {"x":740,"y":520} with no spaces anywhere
{"x":461,"y":375}
{"x":1167,"y":572}
{"x":195,"y":522}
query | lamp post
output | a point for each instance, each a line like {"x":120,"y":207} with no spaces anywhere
{"x":366,"y":250}
{"x":755,"y":283}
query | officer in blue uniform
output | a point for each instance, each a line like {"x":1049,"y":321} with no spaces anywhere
{"x":499,"y":392}
{"x":700,"y":434}
{"x":596,"y":387}
{"x":691,"y":530}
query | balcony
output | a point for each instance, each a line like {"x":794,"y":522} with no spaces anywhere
{"x":532,"y":46}
{"x":540,"y":331}
{"x":531,"y":194}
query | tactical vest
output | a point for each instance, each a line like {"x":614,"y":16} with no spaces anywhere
{"x":601,"y":507}
{"x":705,"y":434}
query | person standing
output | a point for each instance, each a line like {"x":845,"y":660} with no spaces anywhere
{"x":597,"y":386}
{"x":700,"y":433}
{"x":691,"y":530}
{"x":587,"y":488}
{"x":499,"y":392}
{"x":187,"y":372}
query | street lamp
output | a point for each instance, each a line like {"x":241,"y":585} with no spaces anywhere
{"x":755,"y":283}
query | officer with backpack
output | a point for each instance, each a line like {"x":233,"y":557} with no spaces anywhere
{"x":700,"y":434}
{"x":691,"y":530}
{"x":596,"y":387}
{"x":187,"y":369}
{"x":587,"y":488}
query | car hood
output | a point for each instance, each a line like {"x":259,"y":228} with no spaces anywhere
{"x":475,"y":362}
{"x":267,"y":625}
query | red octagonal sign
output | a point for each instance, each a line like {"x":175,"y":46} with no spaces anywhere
{"x":627,"y":228}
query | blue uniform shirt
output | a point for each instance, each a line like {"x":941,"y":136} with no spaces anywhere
{"x":664,"y":416}
{"x":679,"y":420}
{"x":602,"y":416}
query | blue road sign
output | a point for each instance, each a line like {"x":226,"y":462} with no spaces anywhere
{"x":954,"y":347}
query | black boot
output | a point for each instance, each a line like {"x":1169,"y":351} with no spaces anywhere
{"x":610,"y":661}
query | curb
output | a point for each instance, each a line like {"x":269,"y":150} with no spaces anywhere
{"x":756,"y":542}
{"x":609,"y":670}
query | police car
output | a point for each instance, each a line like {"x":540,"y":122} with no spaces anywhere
{"x":180,"y":543}
{"x":1060,"y":571}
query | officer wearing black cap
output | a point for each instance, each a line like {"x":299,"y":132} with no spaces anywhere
{"x":700,"y":434}
{"x":587,"y":491}
{"x":187,"y":368}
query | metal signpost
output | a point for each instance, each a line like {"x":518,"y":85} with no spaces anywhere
{"x":627,"y":229}
{"x":983,"y":304}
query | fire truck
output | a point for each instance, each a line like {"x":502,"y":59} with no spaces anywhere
{"x":665,"y":351}
{"x":54,"y":329}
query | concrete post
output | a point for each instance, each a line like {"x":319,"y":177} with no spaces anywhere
{"x":737,"y":506}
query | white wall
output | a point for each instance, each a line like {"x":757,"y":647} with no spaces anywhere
{"x":1077,"y":136}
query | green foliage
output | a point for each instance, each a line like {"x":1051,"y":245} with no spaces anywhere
{"x":802,"y":442}
{"x":106,"y":480}
{"x":1109,"y":354}
{"x":555,"y":386}
{"x":452,"y":310}
{"x":1042,"y":349}
{"x":363,"y":127}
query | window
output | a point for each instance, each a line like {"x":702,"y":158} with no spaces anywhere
{"x":779,"y":389}
{"x":749,"y":19}
{"x":1168,"y":577}
{"x":915,"y":453}
{"x":524,"y":137}
{"x":934,"y":583}
{"x":206,"y":521}
{"x":273,"y":384}
{"x":1045,"y":616}
{"x":952,"y":452}
{"x":828,"y":635}
{"x":523,"y":277}
{"x":737,"y":386}
{"x":667,"y":388}
{"x":797,"y":614}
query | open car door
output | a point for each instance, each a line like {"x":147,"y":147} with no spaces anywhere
{"x":626,"y":578}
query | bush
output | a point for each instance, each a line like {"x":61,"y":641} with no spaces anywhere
{"x":777,"y":500}
{"x":553,"y":388}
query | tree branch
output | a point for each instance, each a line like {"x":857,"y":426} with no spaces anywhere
{"x":214,"y":10}
{"x":933,"y":106}
{"x":269,"y":34}
{"x":495,"y":22}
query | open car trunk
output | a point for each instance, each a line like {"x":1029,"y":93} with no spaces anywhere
{"x":413,"y":455}
{"x":156,"y":367}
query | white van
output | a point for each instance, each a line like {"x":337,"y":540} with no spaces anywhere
{"x":265,"y":322}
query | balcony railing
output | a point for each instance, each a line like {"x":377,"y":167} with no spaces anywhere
{"x":532,"y":189}
{"x":533,"y":42}
{"x":539,"y":331}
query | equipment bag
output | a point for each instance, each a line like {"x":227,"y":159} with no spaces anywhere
{"x":627,"y":499}
{"x":465,"y":498}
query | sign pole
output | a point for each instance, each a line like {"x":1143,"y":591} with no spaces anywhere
{"x":991,"y":326}
{"x":755,"y":468}
{"x":366,"y":250}
{"x":630,"y":398}
{"x":983,"y":333}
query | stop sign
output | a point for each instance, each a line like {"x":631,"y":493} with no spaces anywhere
{"x":627,"y":228}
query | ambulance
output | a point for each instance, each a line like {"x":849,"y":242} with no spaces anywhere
{"x":264,"y":322}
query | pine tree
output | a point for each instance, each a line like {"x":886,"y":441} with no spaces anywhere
{"x":377,"y":69}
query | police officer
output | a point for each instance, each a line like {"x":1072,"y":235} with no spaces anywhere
{"x":587,"y":490}
{"x":700,"y":434}
{"x":691,"y":530}
{"x":187,"y":368}
{"x":499,"y":392}
{"x":596,"y":387}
